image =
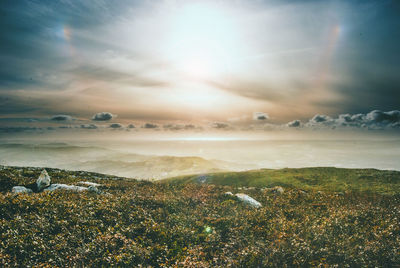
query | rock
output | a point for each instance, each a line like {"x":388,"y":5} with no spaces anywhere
{"x":21,"y":189}
{"x":276,"y":190}
{"x":59,"y":186}
{"x":43,"y":181}
{"x":89,"y":183}
{"x":228,"y":193}
{"x":279,"y":190}
{"x":94,"y":189}
{"x":248,"y":200}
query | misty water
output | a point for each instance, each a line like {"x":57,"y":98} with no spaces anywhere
{"x":164,"y":158}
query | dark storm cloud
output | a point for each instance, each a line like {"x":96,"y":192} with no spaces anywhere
{"x":103,"y":116}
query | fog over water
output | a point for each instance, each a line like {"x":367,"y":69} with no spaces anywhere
{"x":171,"y":157}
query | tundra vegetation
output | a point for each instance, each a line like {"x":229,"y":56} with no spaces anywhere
{"x":323,"y":217}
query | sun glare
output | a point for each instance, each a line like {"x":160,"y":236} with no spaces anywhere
{"x":202,"y":41}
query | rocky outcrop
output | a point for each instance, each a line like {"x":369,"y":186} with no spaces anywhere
{"x":43,"y":181}
{"x":43,"y":184}
{"x":60,"y":186}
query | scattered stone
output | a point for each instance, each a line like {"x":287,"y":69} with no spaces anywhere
{"x":89,"y":183}
{"x":276,"y":190}
{"x":279,"y":190}
{"x":21,"y":189}
{"x":59,"y":186}
{"x":94,"y":189}
{"x":248,"y":200}
{"x":228,"y":193}
{"x":43,"y":181}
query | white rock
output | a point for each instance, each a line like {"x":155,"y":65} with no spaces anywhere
{"x":89,"y":183}
{"x":21,"y":189}
{"x":228,"y":193}
{"x":43,"y":181}
{"x":279,"y":190}
{"x":248,"y":200}
{"x":59,"y":186}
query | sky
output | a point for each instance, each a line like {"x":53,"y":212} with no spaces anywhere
{"x":221,"y":65}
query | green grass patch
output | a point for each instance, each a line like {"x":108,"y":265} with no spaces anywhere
{"x":319,"y":178}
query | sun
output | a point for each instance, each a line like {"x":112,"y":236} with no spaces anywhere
{"x":202,"y":40}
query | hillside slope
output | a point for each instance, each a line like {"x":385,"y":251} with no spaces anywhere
{"x":319,"y":178}
{"x":139,"y":223}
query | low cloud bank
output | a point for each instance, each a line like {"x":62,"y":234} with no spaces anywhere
{"x":375,"y":119}
{"x":61,"y":117}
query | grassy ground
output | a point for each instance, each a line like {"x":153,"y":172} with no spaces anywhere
{"x":320,"y":178}
{"x":187,"y":224}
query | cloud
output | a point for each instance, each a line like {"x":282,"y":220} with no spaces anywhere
{"x":89,"y":126}
{"x":219,"y":125}
{"x":149,"y":125}
{"x":61,"y":117}
{"x":115,"y":125}
{"x":103,"y":116}
{"x":377,"y":116}
{"x":375,"y":119}
{"x":294,"y":123}
{"x":18,"y":129}
{"x":260,"y":116}
{"x":179,"y":127}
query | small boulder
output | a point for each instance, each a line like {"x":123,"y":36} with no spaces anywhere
{"x":43,"y":181}
{"x":275,"y":190}
{"x":248,"y":200}
{"x":228,"y":193}
{"x":279,"y":190}
{"x":94,"y":189}
{"x":21,"y":189}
